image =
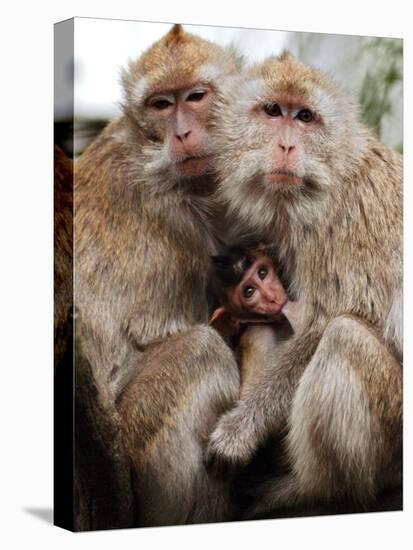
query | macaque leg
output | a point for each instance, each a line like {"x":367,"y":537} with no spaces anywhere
{"x":169,"y":410}
{"x":345,"y":438}
{"x":102,"y":482}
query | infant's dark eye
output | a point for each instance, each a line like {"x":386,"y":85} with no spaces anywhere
{"x":248,"y":291}
{"x":160,"y":104}
{"x":196,"y":96}
{"x":262,"y":272}
{"x":305,"y":115}
{"x":272,"y":109}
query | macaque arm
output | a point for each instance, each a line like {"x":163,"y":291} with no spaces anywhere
{"x":258,"y":342}
{"x":347,"y":411}
{"x":265,"y":405}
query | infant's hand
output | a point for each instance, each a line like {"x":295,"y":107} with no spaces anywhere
{"x":224,"y":322}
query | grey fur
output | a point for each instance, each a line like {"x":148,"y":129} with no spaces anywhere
{"x":339,"y":239}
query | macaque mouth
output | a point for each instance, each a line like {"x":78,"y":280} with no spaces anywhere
{"x":277,"y":308}
{"x":284,"y":177}
{"x":273,"y":314}
{"x":284,"y":303}
{"x":192,"y":158}
{"x":194,"y":165}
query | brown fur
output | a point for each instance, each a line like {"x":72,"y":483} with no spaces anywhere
{"x":169,"y":410}
{"x":63,"y":252}
{"x":339,"y":238}
{"x":144,"y":235}
{"x":171,"y":61}
{"x":142,"y":252}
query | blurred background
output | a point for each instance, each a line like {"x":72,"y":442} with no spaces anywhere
{"x":370,"y":68}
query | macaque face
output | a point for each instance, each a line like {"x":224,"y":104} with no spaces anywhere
{"x":180,"y":116}
{"x":171,"y":93}
{"x":290,"y":120}
{"x":284,"y":140}
{"x":260,"y":294}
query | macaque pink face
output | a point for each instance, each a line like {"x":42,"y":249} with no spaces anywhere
{"x":290,"y":120}
{"x":260,"y":294}
{"x":183,"y":115}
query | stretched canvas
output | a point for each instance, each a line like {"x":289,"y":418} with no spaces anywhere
{"x":228,"y":274}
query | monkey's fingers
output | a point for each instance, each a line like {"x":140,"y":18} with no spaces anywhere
{"x":231,"y":446}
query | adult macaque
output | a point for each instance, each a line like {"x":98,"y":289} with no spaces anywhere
{"x":307,"y":174}
{"x":144,"y":237}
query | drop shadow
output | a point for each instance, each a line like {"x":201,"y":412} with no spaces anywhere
{"x":45,"y":514}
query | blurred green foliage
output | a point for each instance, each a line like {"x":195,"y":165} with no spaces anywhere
{"x":384,"y":76}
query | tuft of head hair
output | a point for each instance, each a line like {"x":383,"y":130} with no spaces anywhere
{"x":286,"y":55}
{"x":176,"y":34}
{"x":176,"y":61}
{"x":288,"y":76}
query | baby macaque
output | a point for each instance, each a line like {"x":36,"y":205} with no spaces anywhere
{"x":254,"y":312}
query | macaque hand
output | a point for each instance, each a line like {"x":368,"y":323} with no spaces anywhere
{"x":224,"y":322}
{"x":232,"y":444}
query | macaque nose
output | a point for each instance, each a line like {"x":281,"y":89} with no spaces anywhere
{"x":285,"y":154}
{"x":286,"y":149}
{"x":274,"y":295}
{"x":270,"y":297}
{"x":185,"y":142}
{"x":183,"y":136}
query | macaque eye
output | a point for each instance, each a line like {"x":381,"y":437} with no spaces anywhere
{"x":262,"y":272}
{"x":160,"y":103}
{"x":272,"y":109}
{"x":196,"y":96}
{"x":248,"y":291}
{"x":305,"y":115}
